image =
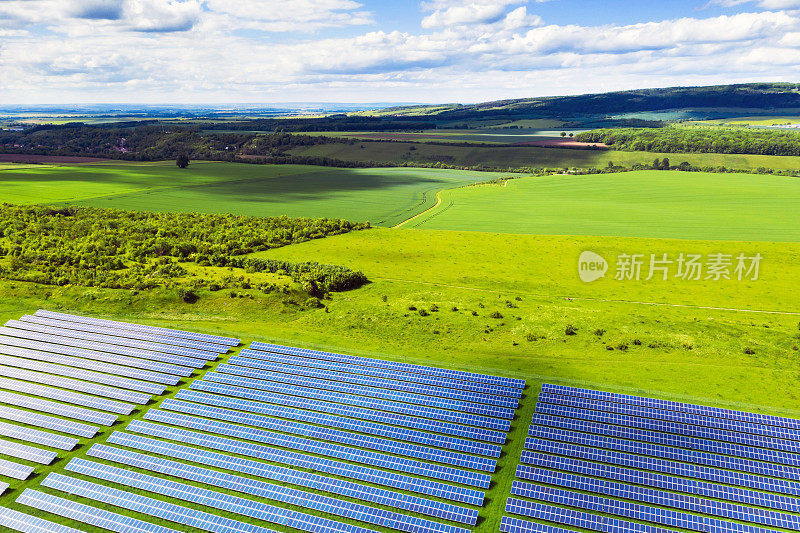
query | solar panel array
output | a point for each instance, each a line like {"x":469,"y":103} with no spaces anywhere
{"x":601,"y":461}
{"x":65,"y":377}
{"x":318,"y":455}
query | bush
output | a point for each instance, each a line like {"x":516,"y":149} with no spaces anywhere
{"x":599,"y":332}
{"x":570,"y":330}
{"x":423,"y":312}
{"x":496,"y":314}
{"x":749,"y":351}
{"x":412,"y":307}
{"x":187,"y":295}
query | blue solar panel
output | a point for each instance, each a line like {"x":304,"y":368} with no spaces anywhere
{"x":37,"y":436}
{"x":304,"y":399}
{"x":66,"y":396}
{"x":674,"y":419}
{"x":428,"y":439}
{"x":29,"y":453}
{"x":153,"y":363}
{"x":250,"y":357}
{"x":348,"y":453}
{"x":91,"y":515}
{"x":23,"y":327}
{"x":353,"y":395}
{"x":267,"y":370}
{"x":227,"y":341}
{"x":267,"y":471}
{"x":510,"y":524}
{"x":88,"y":375}
{"x":47,"y":422}
{"x":46,"y":406}
{"x":405,"y":367}
{"x":88,"y":364}
{"x":126,"y":333}
{"x":653,"y":479}
{"x":13,"y":470}
{"x":77,"y":385}
{"x":260,"y":489}
{"x":717,"y":412}
{"x":26,"y":523}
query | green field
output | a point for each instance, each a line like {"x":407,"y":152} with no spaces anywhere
{"x":380,"y":196}
{"x":529,"y":156}
{"x":736,"y":207}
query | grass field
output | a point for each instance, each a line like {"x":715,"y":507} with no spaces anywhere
{"x":380,"y":196}
{"x":530,"y":156}
{"x":736,"y":207}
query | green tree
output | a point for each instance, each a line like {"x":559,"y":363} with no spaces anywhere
{"x":665,"y":164}
{"x":182,"y":161}
{"x":563,"y":133}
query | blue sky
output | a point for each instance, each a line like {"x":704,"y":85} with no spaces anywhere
{"x":215,"y":51}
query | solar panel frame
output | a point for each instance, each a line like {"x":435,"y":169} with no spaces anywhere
{"x":47,"y":406}
{"x":426,"y":401}
{"x":304,"y":399}
{"x":82,"y":400}
{"x":14,"y":470}
{"x":85,"y":353}
{"x":88,"y":514}
{"x":258,"y":488}
{"x":37,"y":436}
{"x":254,"y":355}
{"x":77,"y":385}
{"x":48,"y":422}
{"x":128,"y":334}
{"x":88,"y":375}
{"x":192,"y":517}
{"x":31,"y":524}
{"x":29,"y":453}
{"x":502,"y":401}
{"x":108,"y":339}
{"x":336,"y":451}
{"x":394,"y":365}
{"x":230,"y":341}
{"x":279,"y":473}
{"x":509,"y":524}
{"x":403,"y":439}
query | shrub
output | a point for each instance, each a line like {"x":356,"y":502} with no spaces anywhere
{"x":412,"y":307}
{"x":187,"y":295}
{"x":423,"y":312}
{"x":570,"y":330}
{"x":496,"y":314}
{"x":434,"y":308}
{"x":599,"y":332}
{"x":749,"y":351}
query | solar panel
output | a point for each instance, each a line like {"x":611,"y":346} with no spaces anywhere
{"x":262,"y":369}
{"x":400,"y":434}
{"x":89,"y":515}
{"x":26,"y":523}
{"x":510,"y":524}
{"x":66,"y":396}
{"x":47,"y":422}
{"x":348,"y":453}
{"x":126,"y":333}
{"x":37,"y":436}
{"x":88,"y":375}
{"x":196,"y":518}
{"x":73,"y":384}
{"x":84,"y":364}
{"x":652,"y":479}
{"x":303,"y":399}
{"x":718,"y":412}
{"x":46,"y":406}
{"x":228,"y":341}
{"x":267,"y":471}
{"x":249,"y":357}
{"x":260,"y":489}
{"x":348,"y":390}
{"x":698,"y":424}
{"x":393,"y":365}
{"x":14,"y":470}
{"x":22,"y":327}
{"x":667,"y":439}
{"x":29,"y":453}
{"x":136,"y":362}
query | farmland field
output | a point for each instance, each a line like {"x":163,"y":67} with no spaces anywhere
{"x":736,"y":207}
{"x":380,"y":196}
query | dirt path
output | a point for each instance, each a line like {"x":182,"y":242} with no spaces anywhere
{"x":406,"y":221}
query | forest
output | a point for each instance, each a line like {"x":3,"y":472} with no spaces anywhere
{"x":711,"y":139}
{"x":140,"y":250}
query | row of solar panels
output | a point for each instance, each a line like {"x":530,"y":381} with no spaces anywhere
{"x":588,"y":458}
{"x":70,"y":376}
{"x":387,"y":456}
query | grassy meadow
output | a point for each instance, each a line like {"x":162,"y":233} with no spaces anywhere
{"x":666,"y":204}
{"x":383,"y":196}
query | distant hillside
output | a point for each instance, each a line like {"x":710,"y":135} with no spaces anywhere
{"x":766,"y":96}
